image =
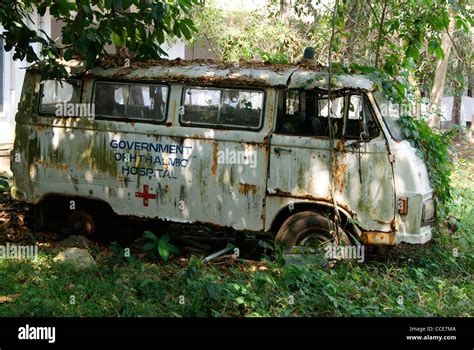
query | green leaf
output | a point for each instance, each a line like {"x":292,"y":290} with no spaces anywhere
{"x":176,"y":30}
{"x":160,"y":36}
{"x":213,"y":290}
{"x":68,"y":55}
{"x":42,"y":8}
{"x":116,"y":39}
{"x":163,"y":250}
{"x":149,"y":246}
{"x":439,"y":53}
{"x":186,"y":32}
{"x":150,"y":235}
{"x":173,"y":248}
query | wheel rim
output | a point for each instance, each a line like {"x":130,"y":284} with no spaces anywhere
{"x":314,"y":238}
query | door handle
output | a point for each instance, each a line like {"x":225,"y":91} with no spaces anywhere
{"x":279,"y":149}
{"x":355,"y":144}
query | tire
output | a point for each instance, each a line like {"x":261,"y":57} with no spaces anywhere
{"x":81,"y":223}
{"x":309,"y":228}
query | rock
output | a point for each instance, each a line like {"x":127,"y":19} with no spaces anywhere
{"x":78,"y":257}
{"x":452,"y":225}
{"x":75,"y":242}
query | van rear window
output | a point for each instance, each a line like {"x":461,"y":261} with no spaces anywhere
{"x":131,"y":101}
{"x":55,"y":95}
{"x":222,"y":107}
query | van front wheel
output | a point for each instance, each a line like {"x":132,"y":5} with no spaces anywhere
{"x":310,"y":229}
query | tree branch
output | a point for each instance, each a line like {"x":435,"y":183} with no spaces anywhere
{"x":379,"y":39}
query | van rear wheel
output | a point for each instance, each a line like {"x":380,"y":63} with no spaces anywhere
{"x":81,"y":223}
{"x":310,"y":229}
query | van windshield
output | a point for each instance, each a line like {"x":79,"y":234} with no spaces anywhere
{"x":391,"y":115}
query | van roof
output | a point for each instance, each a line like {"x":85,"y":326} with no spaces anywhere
{"x":206,"y":72}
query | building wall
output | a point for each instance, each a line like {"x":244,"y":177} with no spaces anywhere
{"x":13,"y":73}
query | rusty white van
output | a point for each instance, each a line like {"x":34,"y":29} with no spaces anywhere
{"x":244,"y":146}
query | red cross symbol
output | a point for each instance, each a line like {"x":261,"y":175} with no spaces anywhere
{"x":145,"y":195}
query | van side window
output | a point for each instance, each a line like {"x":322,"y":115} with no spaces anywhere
{"x":360,"y":122}
{"x":201,"y":106}
{"x":306,"y":113}
{"x":333,"y":108}
{"x":292,"y":103}
{"x":54,"y":94}
{"x":131,"y":101}
{"x":222,"y":107}
{"x":291,"y":119}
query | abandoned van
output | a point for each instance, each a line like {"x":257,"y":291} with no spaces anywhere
{"x":251,"y":147}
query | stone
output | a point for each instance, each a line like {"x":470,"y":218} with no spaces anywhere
{"x":75,"y":242}
{"x":76,"y":256}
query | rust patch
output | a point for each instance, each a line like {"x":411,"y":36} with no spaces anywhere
{"x":325,"y":200}
{"x":378,"y":238}
{"x":340,"y":176}
{"x":113,"y":61}
{"x":178,"y":140}
{"x":339,"y":168}
{"x":49,"y":165}
{"x":247,"y":188}
{"x":174,"y":108}
{"x":214,"y":158}
{"x":340,"y":146}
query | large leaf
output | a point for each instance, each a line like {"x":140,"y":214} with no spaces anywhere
{"x":150,"y":235}
{"x":165,"y":247}
{"x":163,"y":250}
{"x":149,"y":246}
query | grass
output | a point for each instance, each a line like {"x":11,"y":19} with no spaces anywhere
{"x":430,"y":280}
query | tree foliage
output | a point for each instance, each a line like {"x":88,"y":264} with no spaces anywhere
{"x":398,"y":37}
{"x":141,"y":26}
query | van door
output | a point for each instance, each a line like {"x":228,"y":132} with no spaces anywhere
{"x":224,"y":182}
{"x":207,"y":165}
{"x":302,"y":168}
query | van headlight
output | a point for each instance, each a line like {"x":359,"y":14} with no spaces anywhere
{"x":429,"y":209}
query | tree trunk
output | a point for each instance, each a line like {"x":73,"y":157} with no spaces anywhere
{"x":470,"y":84}
{"x":284,"y":10}
{"x":440,"y":78}
{"x":351,"y":28}
{"x":379,"y":35}
{"x":470,"y":93}
{"x":457,"y":109}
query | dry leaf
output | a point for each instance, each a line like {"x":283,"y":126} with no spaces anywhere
{"x":9,"y":298}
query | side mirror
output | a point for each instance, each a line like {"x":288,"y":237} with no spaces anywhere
{"x":364,"y":136}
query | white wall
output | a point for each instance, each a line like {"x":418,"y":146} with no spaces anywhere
{"x":175,"y":50}
{"x":467,"y":109}
{"x":13,"y":74}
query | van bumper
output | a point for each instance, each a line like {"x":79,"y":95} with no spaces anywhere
{"x":420,"y":238}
